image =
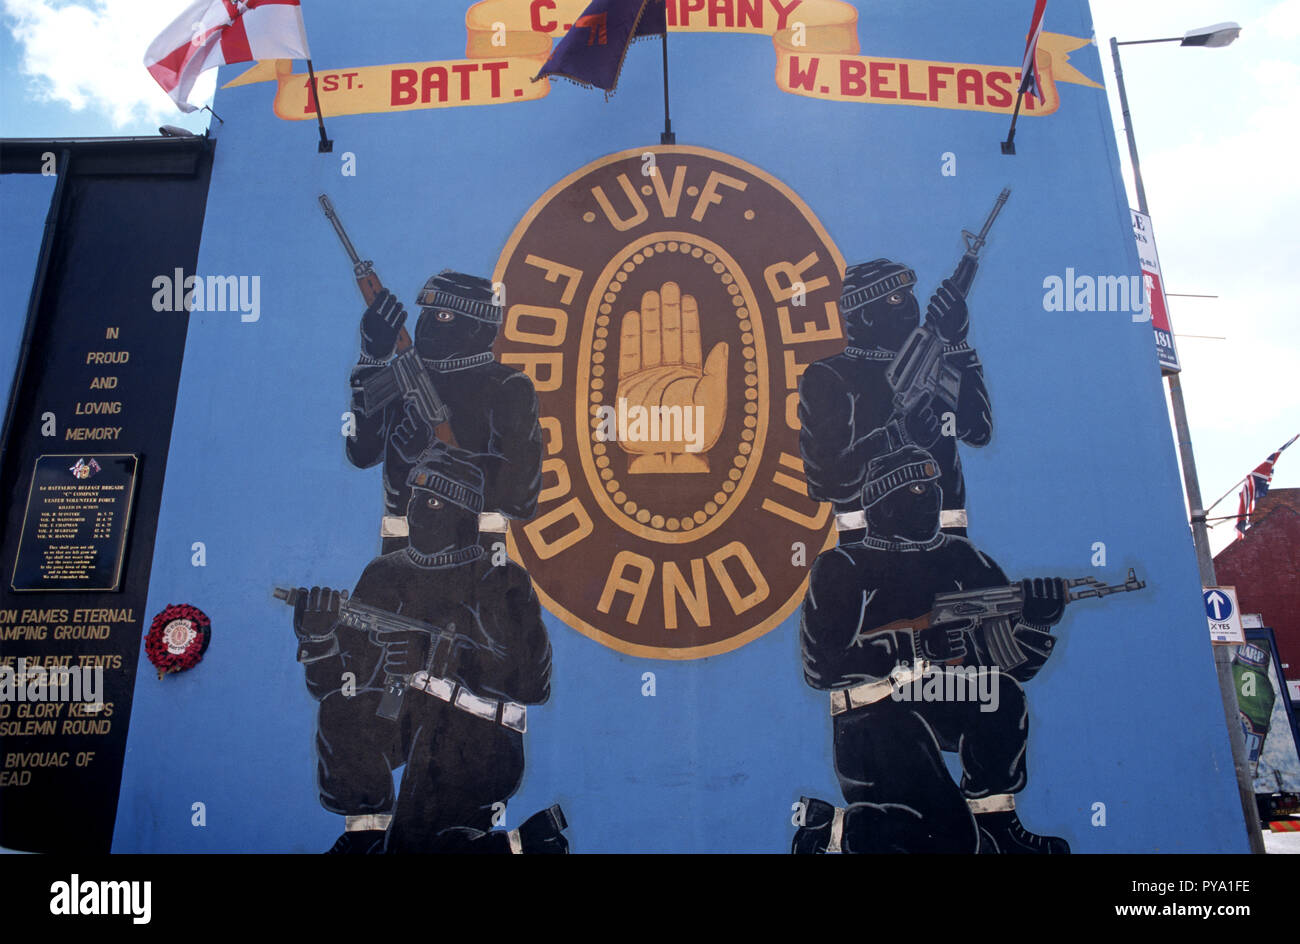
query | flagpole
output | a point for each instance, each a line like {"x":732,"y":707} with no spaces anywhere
{"x":667,"y":137}
{"x":1228,"y":492}
{"x":1009,"y":145}
{"x":326,"y":145}
{"x":1246,"y":476}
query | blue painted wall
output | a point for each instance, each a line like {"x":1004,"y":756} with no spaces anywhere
{"x":1127,"y":712}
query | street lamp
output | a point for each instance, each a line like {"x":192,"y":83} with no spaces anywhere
{"x":1220,"y":34}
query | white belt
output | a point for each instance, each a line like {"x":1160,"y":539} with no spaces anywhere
{"x":857,"y":520}
{"x":395,"y":526}
{"x":868,"y":693}
{"x":511,"y":714}
{"x":850,"y":521}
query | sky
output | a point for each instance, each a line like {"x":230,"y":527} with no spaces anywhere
{"x":1215,"y":129}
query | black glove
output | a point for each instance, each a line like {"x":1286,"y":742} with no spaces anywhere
{"x":947,"y":314}
{"x":380,"y":326}
{"x":943,"y":642}
{"x":921,"y":425}
{"x":316,"y":612}
{"x":1044,"y":600}
{"x":405,"y":651}
{"x":412,"y":435}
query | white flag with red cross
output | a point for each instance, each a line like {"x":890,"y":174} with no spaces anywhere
{"x":213,"y":33}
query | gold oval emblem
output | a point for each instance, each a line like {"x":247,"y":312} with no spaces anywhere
{"x":665,"y":302}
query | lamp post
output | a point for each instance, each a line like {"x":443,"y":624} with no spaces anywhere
{"x":1220,"y":34}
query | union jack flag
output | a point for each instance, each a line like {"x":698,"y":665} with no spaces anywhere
{"x":1255,"y":488}
{"x":1029,"y":68}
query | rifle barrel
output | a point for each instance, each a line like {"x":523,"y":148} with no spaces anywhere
{"x":333,"y":217}
{"x":988,"y":223}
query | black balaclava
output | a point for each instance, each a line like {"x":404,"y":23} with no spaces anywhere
{"x":902,"y":497}
{"x":878,"y":305}
{"x":459,"y":318}
{"x":446,"y":499}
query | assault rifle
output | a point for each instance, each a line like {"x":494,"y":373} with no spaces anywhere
{"x":405,"y":376}
{"x":993,"y":612}
{"x":919,"y":370}
{"x":377,"y":622}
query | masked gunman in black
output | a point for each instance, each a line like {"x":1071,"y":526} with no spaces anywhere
{"x":845,"y":401}
{"x":901,"y":796}
{"x":493,"y":407}
{"x":460,"y":726}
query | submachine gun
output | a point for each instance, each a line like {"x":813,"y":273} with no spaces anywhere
{"x":377,"y":622}
{"x":918,"y":370}
{"x":405,"y":376}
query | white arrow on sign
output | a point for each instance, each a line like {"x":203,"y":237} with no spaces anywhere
{"x":1218,"y":601}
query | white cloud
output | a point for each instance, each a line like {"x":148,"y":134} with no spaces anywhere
{"x":1281,"y":22}
{"x":90,"y":54}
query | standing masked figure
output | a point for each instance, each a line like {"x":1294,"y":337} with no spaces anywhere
{"x":857,"y":645}
{"x":493,"y":407}
{"x":460,"y":728}
{"x":845,"y":401}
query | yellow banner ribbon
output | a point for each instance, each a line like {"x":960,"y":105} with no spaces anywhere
{"x":816,"y":44}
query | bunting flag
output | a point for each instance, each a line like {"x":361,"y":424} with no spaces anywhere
{"x":592,"y":51}
{"x":1255,"y":488}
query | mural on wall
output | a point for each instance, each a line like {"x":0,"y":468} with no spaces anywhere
{"x":665,"y":302}
{"x":898,"y":380}
{"x":399,"y":684}
{"x":655,"y":487}
{"x":1266,"y":718}
{"x":917,"y":635}
{"x":429,"y":664}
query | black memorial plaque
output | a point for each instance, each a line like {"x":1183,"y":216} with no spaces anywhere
{"x":74,"y":530}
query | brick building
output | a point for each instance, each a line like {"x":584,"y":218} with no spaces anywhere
{"x":1265,"y":568}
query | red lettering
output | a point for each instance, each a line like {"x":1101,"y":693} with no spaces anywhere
{"x":463,"y":69}
{"x":689,"y":7}
{"x":535,"y":10}
{"x":851,"y":73}
{"x":750,"y":14}
{"x":937,"y":81}
{"x":720,"y":13}
{"x":999,"y":97}
{"x":402,"y":88}
{"x":804,"y":79}
{"x":433,"y":77}
{"x":495,"y":69}
{"x":877,"y":80}
{"x":783,"y":12}
{"x":906,"y":92}
{"x":970,"y":84}
{"x":330,"y":83}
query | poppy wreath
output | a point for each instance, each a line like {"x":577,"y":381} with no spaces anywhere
{"x":178,"y":638}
